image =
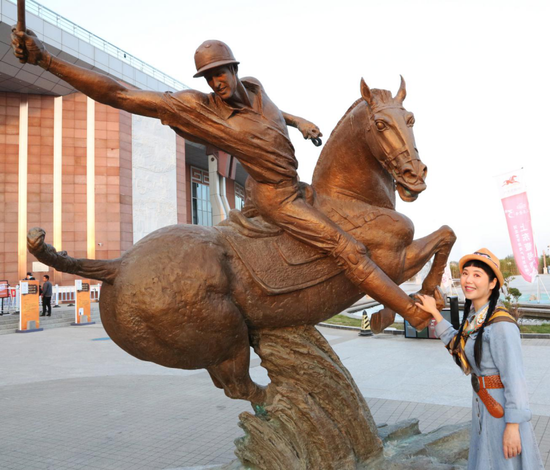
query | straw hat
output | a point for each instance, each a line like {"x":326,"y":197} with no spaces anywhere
{"x":485,"y":256}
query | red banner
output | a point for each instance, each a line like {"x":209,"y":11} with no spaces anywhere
{"x":516,"y":208}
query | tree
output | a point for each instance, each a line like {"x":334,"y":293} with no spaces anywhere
{"x":541,"y":263}
{"x":455,"y":273}
{"x":508,"y":266}
{"x":511,"y":295}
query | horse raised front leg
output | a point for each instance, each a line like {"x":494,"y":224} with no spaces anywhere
{"x":420,"y":251}
{"x":234,"y":377}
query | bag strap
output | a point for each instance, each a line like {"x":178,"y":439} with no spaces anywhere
{"x":502,"y":315}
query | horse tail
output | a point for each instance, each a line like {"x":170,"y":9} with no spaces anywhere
{"x":102,"y":270}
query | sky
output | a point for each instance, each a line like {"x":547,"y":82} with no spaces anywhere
{"x":476,"y":73}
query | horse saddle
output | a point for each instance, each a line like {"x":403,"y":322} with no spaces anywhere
{"x":277,"y":261}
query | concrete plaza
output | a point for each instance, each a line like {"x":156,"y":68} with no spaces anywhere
{"x":71,"y":399}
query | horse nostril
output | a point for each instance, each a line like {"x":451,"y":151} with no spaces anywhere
{"x":409,"y":174}
{"x":424,"y":172}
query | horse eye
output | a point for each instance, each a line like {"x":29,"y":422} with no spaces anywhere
{"x":380,"y":125}
{"x":411,"y":121}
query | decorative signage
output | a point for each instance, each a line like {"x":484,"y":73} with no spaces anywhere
{"x":513,"y":193}
{"x":4,"y":289}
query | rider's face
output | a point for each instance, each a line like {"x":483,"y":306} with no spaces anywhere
{"x":223,"y":81}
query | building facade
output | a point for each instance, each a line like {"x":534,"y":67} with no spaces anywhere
{"x":95,"y":178}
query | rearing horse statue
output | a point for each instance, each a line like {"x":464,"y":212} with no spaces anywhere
{"x":190,"y":297}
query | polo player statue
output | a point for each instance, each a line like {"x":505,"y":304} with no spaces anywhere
{"x":298,"y":255}
{"x":239,"y":118}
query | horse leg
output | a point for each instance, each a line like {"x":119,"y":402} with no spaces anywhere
{"x":420,"y":251}
{"x":233,"y":376}
{"x":417,"y":255}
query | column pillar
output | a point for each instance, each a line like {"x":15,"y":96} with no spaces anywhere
{"x":90,"y":178}
{"x":218,"y":211}
{"x":23,"y":181}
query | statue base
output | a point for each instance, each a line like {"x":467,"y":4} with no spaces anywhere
{"x":405,"y":448}
{"x":316,"y":418}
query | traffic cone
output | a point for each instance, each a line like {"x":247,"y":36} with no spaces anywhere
{"x":365,"y":325}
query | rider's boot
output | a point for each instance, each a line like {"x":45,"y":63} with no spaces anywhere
{"x":365,"y":274}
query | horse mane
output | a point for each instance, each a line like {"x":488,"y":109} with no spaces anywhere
{"x":350,"y":109}
{"x":382,"y":98}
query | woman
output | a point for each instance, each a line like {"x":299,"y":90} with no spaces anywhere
{"x":488,"y":346}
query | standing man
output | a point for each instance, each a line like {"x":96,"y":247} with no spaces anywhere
{"x":46,"y":296}
{"x":239,"y":118}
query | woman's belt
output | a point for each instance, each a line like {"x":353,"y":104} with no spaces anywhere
{"x":480,"y":386}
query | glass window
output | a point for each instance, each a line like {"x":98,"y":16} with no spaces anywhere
{"x":239,"y":196}
{"x":200,"y":198}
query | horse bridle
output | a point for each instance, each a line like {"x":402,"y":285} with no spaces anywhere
{"x":390,"y":162}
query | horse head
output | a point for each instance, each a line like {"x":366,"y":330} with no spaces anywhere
{"x":390,"y":137}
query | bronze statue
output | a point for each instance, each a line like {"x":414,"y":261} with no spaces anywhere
{"x":240,"y":118}
{"x":196,"y":297}
{"x":372,"y":152}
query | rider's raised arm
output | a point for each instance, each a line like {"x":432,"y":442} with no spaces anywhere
{"x":99,"y":87}
{"x":307,"y":128}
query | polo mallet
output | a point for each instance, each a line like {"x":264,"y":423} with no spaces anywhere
{"x":21,"y":24}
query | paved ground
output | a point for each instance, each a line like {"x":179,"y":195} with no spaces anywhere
{"x":71,"y":399}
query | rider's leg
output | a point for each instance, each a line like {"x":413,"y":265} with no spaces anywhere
{"x":284,"y":206}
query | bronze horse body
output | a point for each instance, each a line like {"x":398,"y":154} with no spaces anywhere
{"x":182,"y":297}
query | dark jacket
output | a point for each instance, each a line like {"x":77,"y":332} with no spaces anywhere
{"x":47,"y":289}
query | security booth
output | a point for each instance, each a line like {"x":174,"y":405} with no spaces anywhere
{"x":451,"y":314}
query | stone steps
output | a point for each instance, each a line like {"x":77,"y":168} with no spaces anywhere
{"x":61,"y":317}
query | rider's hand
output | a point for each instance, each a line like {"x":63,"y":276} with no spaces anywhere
{"x":27,"y":47}
{"x":308,"y":129}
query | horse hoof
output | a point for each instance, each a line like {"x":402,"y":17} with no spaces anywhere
{"x":380,"y":320}
{"x":260,"y":397}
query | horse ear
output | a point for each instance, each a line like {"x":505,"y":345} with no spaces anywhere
{"x":366,"y":93}
{"x":402,"y":93}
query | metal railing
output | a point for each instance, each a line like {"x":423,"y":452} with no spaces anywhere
{"x":11,"y":304}
{"x":61,"y":295}
{"x":66,"y":25}
{"x":66,"y":294}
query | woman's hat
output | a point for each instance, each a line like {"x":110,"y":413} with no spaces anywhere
{"x":485,"y":256}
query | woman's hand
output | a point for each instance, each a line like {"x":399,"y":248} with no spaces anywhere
{"x":511,"y":441}
{"x":428,"y":304}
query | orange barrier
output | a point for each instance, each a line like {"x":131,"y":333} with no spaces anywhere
{"x":83,"y":312}
{"x":30,"y":308}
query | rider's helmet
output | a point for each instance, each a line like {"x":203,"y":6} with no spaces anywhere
{"x":211,"y":54}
